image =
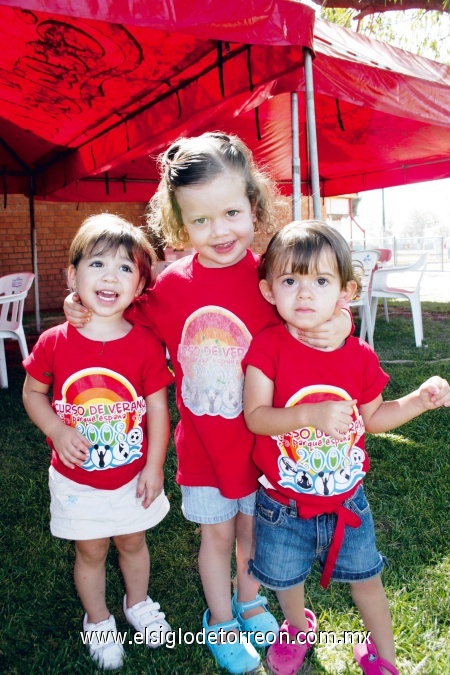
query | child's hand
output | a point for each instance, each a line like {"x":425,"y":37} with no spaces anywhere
{"x":435,"y":393}
{"x":333,"y":417}
{"x":331,"y":334}
{"x":150,"y":484}
{"x":75,"y":313}
{"x":71,"y":446}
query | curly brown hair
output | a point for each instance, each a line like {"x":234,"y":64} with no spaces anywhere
{"x":197,"y":160}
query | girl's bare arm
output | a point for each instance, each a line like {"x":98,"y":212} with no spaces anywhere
{"x":151,"y":479}
{"x":76,"y":314}
{"x":380,"y":416}
{"x":71,"y":446}
{"x":331,"y":334}
{"x":331,"y":417}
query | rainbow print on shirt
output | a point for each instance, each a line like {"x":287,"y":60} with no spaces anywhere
{"x":213,"y":343}
{"x":311,"y":462}
{"x":104,"y":406}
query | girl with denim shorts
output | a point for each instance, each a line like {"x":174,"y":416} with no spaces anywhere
{"x":310,"y":409}
{"x":206,"y":308}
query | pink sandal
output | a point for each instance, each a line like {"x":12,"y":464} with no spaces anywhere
{"x":368,"y":660}
{"x":286,"y":658}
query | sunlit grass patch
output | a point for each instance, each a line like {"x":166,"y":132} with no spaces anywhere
{"x":408,"y":489}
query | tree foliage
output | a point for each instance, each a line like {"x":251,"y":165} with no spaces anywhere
{"x":363,"y":8}
{"x":419,"y":26}
{"x":423,"y":222}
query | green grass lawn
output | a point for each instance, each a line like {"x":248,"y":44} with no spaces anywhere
{"x":408,"y":488}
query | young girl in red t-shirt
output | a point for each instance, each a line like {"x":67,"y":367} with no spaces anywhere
{"x":108,"y":429}
{"x":310,"y":409}
{"x":206,"y":309}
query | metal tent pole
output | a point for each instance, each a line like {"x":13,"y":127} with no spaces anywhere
{"x":312,"y":134}
{"x":34,"y":256}
{"x":296,"y":182}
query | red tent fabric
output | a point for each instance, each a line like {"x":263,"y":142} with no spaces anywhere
{"x":382,"y":116}
{"x":91,"y":92}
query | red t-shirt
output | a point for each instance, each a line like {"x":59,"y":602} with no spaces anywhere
{"x":307,"y":465}
{"x":100,"y":389}
{"x":316,"y":471}
{"x":206,"y":317}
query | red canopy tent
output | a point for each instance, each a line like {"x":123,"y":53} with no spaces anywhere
{"x":382,"y":116}
{"x":81,"y":97}
{"x":91,"y":92}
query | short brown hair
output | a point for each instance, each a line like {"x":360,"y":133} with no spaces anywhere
{"x":107,"y":232}
{"x":296,"y":249}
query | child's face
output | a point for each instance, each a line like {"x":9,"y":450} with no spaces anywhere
{"x":218,"y":218}
{"x":307,"y":300}
{"x":107,"y":282}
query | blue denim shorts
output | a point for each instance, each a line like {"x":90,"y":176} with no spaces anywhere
{"x":207,"y":506}
{"x":287,"y":546}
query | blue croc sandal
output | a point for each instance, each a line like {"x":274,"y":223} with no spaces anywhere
{"x":236,"y":656}
{"x":264,"y":624}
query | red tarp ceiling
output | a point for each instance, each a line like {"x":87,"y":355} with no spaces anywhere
{"x":91,"y":95}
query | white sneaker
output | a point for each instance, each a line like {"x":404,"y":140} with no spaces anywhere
{"x":147,"y":619}
{"x":107,"y":653}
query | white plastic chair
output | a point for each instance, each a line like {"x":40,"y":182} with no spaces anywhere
{"x":401,"y":281}
{"x":366,"y":262}
{"x":13,"y":291}
{"x":385,"y":256}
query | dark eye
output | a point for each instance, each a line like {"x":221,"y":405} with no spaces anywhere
{"x":96,"y":263}
{"x":232,"y":212}
{"x":126,"y":268}
{"x":289,"y":281}
{"x":322,"y":281}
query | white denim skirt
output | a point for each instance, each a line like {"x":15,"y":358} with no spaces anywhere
{"x":81,"y":512}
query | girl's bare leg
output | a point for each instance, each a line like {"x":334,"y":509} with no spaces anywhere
{"x":371,"y":601}
{"x":292,"y":603}
{"x":214,"y":562}
{"x":90,"y":577}
{"x":247,"y":587}
{"x":134,"y":561}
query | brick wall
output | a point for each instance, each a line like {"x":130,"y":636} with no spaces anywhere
{"x":56,"y":224}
